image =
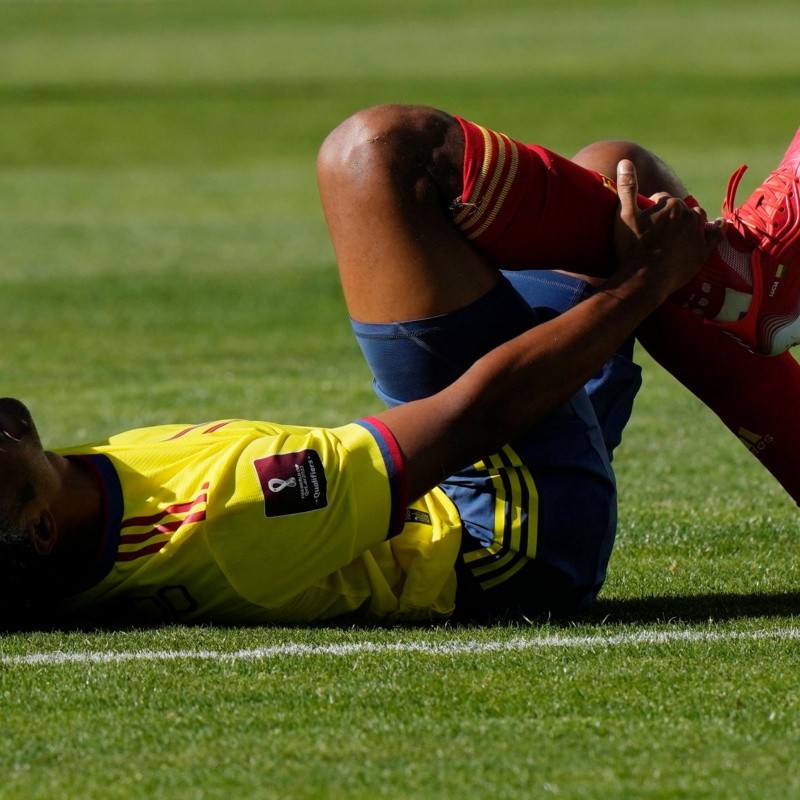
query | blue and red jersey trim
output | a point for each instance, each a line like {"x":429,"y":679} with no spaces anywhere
{"x":395,"y":469}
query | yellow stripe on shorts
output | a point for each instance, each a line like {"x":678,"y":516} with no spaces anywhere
{"x":515,"y":496}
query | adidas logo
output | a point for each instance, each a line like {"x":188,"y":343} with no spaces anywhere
{"x":752,"y":441}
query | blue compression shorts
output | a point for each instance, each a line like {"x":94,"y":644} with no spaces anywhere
{"x":540,"y":516}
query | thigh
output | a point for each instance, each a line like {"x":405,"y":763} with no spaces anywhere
{"x":416,"y":358}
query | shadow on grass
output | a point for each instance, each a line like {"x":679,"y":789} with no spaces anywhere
{"x":694,"y":608}
{"x":691,"y":609}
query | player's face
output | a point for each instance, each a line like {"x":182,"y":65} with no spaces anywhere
{"x":27,"y":479}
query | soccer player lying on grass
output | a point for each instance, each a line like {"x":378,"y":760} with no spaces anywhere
{"x":243,"y":522}
{"x":247,"y":522}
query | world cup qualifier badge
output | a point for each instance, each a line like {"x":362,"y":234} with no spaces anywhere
{"x":292,"y":483}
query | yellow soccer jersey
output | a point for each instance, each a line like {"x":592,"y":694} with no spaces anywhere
{"x":249,"y":522}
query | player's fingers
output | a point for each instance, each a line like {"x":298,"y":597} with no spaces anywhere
{"x":714,"y":232}
{"x":627,"y":188}
{"x":701,"y":212}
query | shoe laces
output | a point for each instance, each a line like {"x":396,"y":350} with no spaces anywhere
{"x":758,"y":212}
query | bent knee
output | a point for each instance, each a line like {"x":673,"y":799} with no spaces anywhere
{"x":397,"y":141}
{"x":603,"y":156}
{"x":652,"y":173}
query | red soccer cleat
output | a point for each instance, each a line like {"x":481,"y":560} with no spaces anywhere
{"x":769,"y":222}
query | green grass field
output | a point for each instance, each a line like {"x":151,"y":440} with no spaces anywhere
{"x":161,"y":238}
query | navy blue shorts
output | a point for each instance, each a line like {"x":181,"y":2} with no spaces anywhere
{"x":539,"y":516}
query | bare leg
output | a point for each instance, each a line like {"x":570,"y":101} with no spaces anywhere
{"x":387,"y":176}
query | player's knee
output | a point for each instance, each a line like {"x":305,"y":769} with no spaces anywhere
{"x":652,"y":173}
{"x":603,"y":156}
{"x":349,"y":145}
{"x":390,"y":143}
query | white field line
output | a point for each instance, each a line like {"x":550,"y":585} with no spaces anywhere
{"x":473,"y":647}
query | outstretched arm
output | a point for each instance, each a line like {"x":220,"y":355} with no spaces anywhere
{"x":514,"y":386}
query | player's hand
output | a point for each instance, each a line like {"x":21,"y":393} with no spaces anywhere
{"x":665,"y":244}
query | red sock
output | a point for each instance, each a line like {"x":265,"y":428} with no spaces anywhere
{"x":525,"y":207}
{"x":755,"y":396}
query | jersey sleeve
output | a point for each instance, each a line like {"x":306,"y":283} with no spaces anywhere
{"x":394,"y":464}
{"x":305,"y":505}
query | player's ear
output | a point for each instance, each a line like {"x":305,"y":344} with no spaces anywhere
{"x":43,"y":533}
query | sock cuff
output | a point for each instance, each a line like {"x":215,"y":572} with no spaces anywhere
{"x":491,"y":164}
